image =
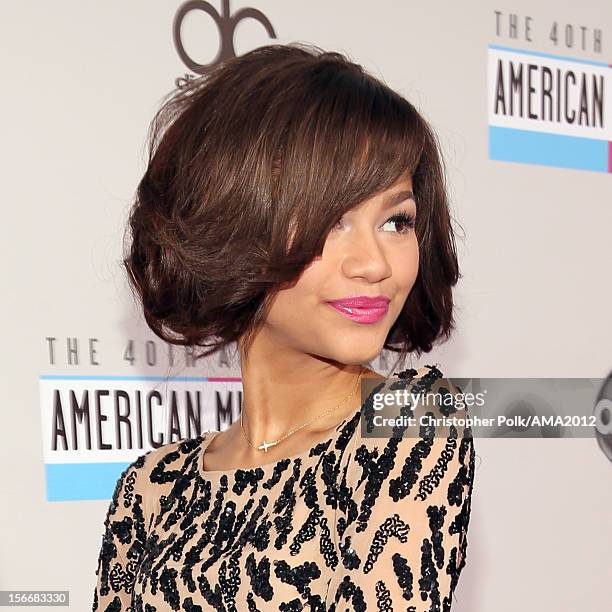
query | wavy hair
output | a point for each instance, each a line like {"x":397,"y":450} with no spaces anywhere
{"x":249,"y":168}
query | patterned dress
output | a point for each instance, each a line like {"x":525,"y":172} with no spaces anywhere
{"x":354,"y":523}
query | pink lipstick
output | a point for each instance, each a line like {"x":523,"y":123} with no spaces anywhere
{"x":361,"y":308}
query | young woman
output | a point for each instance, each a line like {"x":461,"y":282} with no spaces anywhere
{"x":293,"y":205}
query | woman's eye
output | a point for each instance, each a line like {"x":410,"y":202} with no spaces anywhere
{"x":403,"y":221}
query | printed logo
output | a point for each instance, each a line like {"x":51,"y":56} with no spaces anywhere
{"x":93,"y":427}
{"x":549,"y":109}
{"x":226,"y":23}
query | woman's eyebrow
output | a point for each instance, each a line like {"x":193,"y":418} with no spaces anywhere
{"x":396,"y":198}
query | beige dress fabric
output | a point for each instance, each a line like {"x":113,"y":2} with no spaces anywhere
{"x":354,"y":523}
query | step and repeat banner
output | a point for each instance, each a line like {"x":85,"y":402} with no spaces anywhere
{"x":520,"y":96}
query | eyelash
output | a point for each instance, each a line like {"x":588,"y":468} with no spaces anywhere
{"x":402,"y":217}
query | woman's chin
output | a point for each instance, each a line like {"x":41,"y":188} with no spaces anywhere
{"x":355,"y":353}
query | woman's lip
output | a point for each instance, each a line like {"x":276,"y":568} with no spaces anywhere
{"x":362,"y":301}
{"x":360,"y":315}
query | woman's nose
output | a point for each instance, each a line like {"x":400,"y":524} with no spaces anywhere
{"x":365,"y":256}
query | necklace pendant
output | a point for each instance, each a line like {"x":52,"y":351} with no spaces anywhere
{"x":265,"y":445}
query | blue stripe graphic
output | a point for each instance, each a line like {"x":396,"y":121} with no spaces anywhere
{"x":78,"y":481}
{"x":550,"y":55}
{"x":509,"y":144}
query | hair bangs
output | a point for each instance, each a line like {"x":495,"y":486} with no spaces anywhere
{"x":355,"y":138}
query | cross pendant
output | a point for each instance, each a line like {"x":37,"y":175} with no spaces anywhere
{"x":265,"y":445}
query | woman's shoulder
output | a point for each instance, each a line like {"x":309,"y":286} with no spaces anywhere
{"x":387,"y":438}
{"x":150,"y":476}
{"x":428,"y":379}
{"x":425,"y":382}
{"x":407,"y":505}
{"x":161,"y":465}
{"x":166,"y":454}
{"x":425,"y":377}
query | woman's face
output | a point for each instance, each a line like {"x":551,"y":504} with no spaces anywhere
{"x":370,"y":253}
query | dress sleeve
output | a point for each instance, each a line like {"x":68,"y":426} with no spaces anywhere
{"x":402,"y":536}
{"x":125,"y":531}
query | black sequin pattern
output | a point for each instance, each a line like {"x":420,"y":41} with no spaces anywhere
{"x":353,"y":524}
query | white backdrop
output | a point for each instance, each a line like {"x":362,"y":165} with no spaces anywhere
{"x":81,"y":81}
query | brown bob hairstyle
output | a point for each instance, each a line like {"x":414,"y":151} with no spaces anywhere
{"x":249,"y":168}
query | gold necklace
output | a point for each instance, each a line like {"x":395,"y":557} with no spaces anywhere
{"x":266,"y":445}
